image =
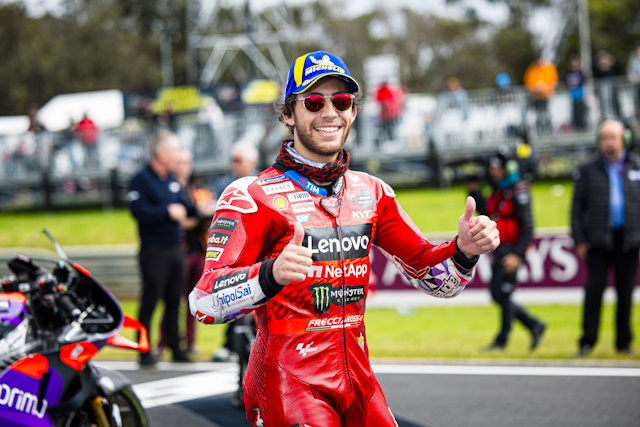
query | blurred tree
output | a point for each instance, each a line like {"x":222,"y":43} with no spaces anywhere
{"x":104,"y":44}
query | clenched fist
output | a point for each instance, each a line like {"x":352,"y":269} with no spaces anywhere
{"x":476,"y":235}
{"x":292,"y":265}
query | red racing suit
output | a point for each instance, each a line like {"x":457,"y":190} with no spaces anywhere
{"x":309,"y":365}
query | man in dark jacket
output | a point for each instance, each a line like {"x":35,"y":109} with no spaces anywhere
{"x":155,"y":201}
{"x":605,"y":225}
{"x":510,"y":207}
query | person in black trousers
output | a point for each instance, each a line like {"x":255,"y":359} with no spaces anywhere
{"x":605,"y":225}
{"x":510,"y":207}
{"x":155,"y":201}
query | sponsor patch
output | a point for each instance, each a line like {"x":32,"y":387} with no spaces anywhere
{"x":218,"y":239}
{"x":282,"y":187}
{"x":280,"y":202}
{"x":364,"y":198}
{"x":338,"y":185}
{"x":214,"y":254}
{"x":322,"y":271}
{"x":355,"y":180}
{"x":336,"y":322}
{"x":299,"y":196}
{"x":229,"y":280}
{"x":324,"y":295}
{"x":326,"y":246}
{"x":302,"y":218}
{"x":361,"y":341}
{"x":361,"y":214}
{"x":226,"y":224}
{"x":233,"y":296}
{"x":303,"y":207}
{"x":272,"y":180}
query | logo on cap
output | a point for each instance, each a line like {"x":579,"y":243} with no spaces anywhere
{"x":309,"y":68}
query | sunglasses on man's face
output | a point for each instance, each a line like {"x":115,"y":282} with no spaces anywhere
{"x":314,"y":102}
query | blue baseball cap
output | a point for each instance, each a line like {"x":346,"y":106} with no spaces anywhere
{"x":309,"y":68}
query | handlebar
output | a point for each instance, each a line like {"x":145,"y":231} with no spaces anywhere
{"x":65,"y":302}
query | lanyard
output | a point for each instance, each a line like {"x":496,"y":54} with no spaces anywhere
{"x":305,"y":183}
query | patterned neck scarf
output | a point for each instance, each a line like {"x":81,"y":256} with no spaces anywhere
{"x":291,"y":159}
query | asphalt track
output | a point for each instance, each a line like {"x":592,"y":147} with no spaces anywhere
{"x":420,"y":395}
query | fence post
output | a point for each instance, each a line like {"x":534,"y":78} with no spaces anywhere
{"x":433,"y":162}
{"x":116,"y":202}
{"x":47,"y":189}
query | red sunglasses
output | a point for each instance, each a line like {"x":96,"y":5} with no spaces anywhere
{"x":314,"y":102}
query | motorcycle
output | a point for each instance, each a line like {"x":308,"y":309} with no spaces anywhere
{"x":53,"y":321}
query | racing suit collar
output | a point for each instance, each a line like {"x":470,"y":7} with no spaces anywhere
{"x":330,"y":172}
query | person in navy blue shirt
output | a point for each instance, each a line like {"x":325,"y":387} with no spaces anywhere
{"x":155,"y":201}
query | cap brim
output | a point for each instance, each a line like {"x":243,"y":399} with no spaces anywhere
{"x":353,"y":84}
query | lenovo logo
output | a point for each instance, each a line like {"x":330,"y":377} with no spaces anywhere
{"x":326,"y":244}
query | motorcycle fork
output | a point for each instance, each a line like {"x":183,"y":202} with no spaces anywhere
{"x":98,"y":411}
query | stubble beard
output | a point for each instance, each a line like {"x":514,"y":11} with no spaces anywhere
{"x":305,"y":137}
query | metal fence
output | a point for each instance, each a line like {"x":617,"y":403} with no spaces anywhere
{"x":52,"y":170}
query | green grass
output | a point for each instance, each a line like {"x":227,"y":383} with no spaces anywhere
{"x":439,"y":210}
{"x":70,"y":228}
{"x":430,"y":333}
{"x":432,"y":210}
{"x":452,"y":333}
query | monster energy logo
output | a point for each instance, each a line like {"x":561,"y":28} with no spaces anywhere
{"x":324,"y":295}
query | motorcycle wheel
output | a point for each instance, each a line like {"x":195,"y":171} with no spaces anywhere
{"x":76,"y":419}
{"x":125,"y":410}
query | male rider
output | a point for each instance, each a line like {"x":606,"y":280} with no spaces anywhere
{"x":293,"y":244}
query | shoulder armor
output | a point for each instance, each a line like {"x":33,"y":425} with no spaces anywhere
{"x":236,"y":197}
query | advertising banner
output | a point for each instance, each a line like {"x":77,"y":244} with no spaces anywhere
{"x":550,"y":262}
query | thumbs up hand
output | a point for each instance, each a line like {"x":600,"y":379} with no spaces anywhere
{"x":292,"y":265}
{"x":476,"y":235}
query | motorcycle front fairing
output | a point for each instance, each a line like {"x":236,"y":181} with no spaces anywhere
{"x":28,"y":389}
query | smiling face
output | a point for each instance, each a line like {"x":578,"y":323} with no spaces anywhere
{"x":320,"y":136}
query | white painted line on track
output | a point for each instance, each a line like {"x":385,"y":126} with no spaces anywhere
{"x":187,"y":387}
{"x":416,"y":369}
{"x":539,"y":371}
{"x":124,"y":365}
{"x":222,"y":378}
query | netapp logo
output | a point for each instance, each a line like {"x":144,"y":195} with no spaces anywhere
{"x":326,"y":246}
{"x":230,"y":280}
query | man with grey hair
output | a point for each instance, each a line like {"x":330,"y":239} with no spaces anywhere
{"x":244,"y":161}
{"x":155,"y":201}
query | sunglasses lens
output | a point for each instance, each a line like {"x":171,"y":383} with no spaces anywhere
{"x":314,"y":103}
{"x":341,"y":101}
